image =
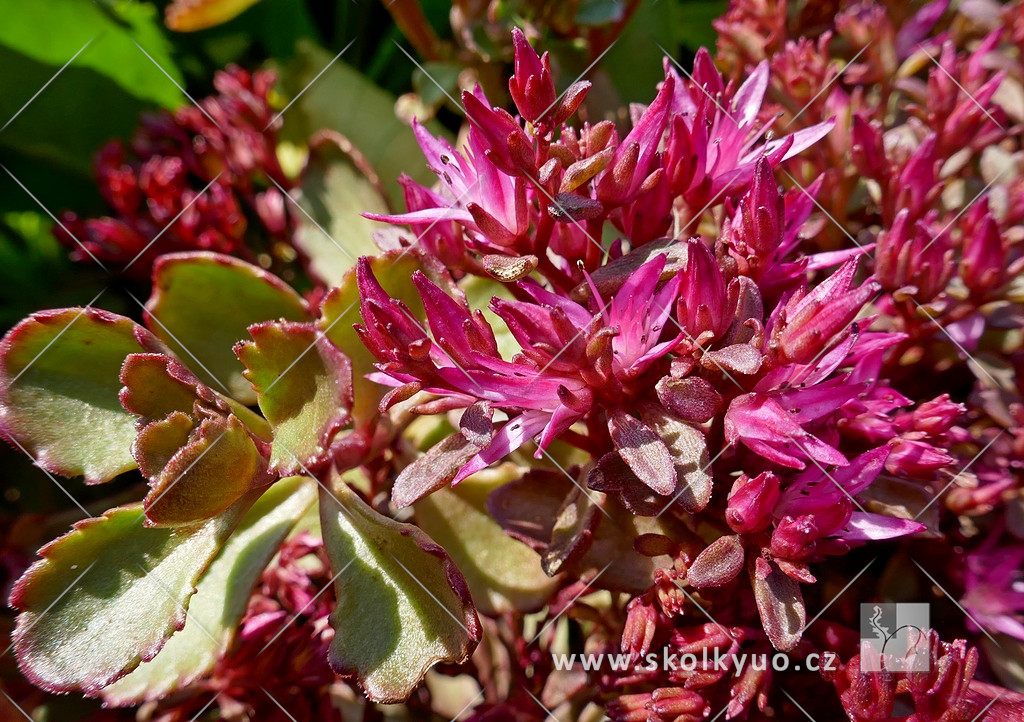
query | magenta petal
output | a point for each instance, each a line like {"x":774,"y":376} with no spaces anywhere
{"x":767,"y":429}
{"x":433,"y":148}
{"x":801,"y":140}
{"x":510,"y":437}
{"x":749,"y":97}
{"x":576,"y":313}
{"x":865,"y":526}
{"x":862,"y":470}
{"x":561,"y":420}
{"x":427,"y":215}
{"x":916,"y":30}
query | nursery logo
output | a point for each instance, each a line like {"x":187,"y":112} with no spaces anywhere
{"x":894,"y":637}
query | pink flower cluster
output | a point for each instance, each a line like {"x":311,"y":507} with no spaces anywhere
{"x":190,"y":180}
{"x":729,"y":358}
{"x":277,"y":669}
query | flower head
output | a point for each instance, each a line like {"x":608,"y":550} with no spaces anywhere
{"x":188,"y":181}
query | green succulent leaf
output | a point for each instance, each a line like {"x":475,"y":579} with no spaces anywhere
{"x":216,"y":466}
{"x":221,"y":597}
{"x":59,"y":384}
{"x":304,"y":387}
{"x":403,"y":605}
{"x":156,"y":385}
{"x":107,"y":595}
{"x":503,"y":574}
{"x":340,"y":311}
{"x":337,"y":186}
{"x":202,"y":305}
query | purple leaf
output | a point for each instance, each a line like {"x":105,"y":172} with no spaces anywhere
{"x":718,"y":564}
{"x":436,"y":468}
{"x":643,"y":451}
{"x":779,"y":602}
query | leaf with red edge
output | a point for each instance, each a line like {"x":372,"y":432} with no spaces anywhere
{"x":403,"y":606}
{"x":303,"y":385}
{"x":159,"y":441}
{"x":59,"y":383}
{"x":156,"y":385}
{"x":106,"y":596}
{"x":221,"y":598}
{"x":217,"y":466}
{"x":203,"y":304}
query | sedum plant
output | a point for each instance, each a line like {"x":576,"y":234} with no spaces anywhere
{"x":598,"y":391}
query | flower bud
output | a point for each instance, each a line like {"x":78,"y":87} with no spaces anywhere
{"x":981,"y":265}
{"x":531,"y":86}
{"x":751,"y":502}
{"x":701,"y":305}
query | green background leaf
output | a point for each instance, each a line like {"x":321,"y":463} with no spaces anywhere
{"x":391,"y":626}
{"x":334,"y":191}
{"x":97,"y":97}
{"x":221,"y":597}
{"x":59,"y":383}
{"x":108,"y":594}
{"x":342,"y":99}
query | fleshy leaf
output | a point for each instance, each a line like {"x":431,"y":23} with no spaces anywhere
{"x":691,"y":399}
{"x":203,"y":304}
{"x":740,"y":358}
{"x":610,"y":475}
{"x":780,"y":604}
{"x":107,"y":595}
{"x":340,"y":311}
{"x":337,"y":186}
{"x":304,"y":387}
{"x":159,"y":441}
{"x":207,"y":475}
{"x":718,"y":564}
{"x":59,"y":384}
{"x":156,"y":385}
{"x":503,"y":574}
{"x":403,"y":606}
{"x":221,"y":597}
{"x":643,"y":451}
{"x":689,"y":451}
{"x":442,"y":462}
